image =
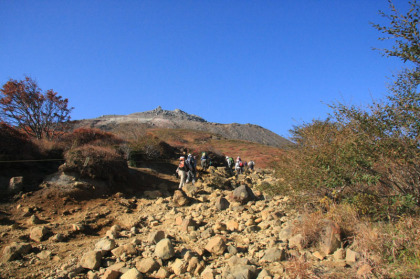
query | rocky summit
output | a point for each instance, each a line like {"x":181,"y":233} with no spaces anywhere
{"x":222,"y":227}
{"x":178,"y":119}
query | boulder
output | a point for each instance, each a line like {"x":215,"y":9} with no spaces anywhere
{"x":222,"y":203}
{"x":132,"y":273}
{"x":91,"y":260}
{"x":38,"y":234}
{"x":147,"y":265}
{"x":155,"y":237}
{"x":180,"y":199}
{"x":164,"y":249}
{"x":128,"y":249}
{"x":111,"y":274}
{"x":243,"y":194}
{"x":330,"y":237}
{"x":105,"y":245}
{"x":179,"y":267}
{"x":216,"y":245}
{"x":162,"y":273}
{"x":274,"y":255}
{"x":16,"y":184}
{"x":15,"y":250}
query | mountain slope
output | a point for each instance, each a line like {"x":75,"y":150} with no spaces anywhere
{"x":178,"y":119}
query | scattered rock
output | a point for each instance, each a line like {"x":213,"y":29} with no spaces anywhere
{"x":111,"y":274}
{"x":15,"y":250}
{"x":105,"y":245}
{"x":243,"y":194}
{"x":180,"y":199}
{"x":274,"y":255}
{"x":222,"y":203}
{"x":133,"y":273}
{"x":156,"y":236}
{"x":216,"y":245}
{"x":164,"y":249}
{"x":147,"y":265}
{"x":38,"y":234}
{"x":91,"y":260}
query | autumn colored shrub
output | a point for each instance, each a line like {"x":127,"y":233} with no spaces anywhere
{"x":91,"y":136}
{"x":96,"y":162}
{"x":150,"y":147}
{"x":15,"y":145}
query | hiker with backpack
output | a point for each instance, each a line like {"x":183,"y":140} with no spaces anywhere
{"x":181,"y":171}
{"x":239,"y":166}
{"x":204,"y":161}
{"x":251,"y":165}
{"x":191,"y":164}
{"x":230,"y":164}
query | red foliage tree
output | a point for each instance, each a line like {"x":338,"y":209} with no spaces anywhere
{"x":23,"y":105}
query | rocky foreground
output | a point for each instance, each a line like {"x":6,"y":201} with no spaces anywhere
{"x":220,"y":228}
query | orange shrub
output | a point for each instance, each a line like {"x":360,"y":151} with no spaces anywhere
{"x":91,"y":136}
{"x":91,"y":161}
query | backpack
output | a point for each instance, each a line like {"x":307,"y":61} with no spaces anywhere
{"x":241,"y":164}
{"x":181,"y":165}
{"x":190,"y":163}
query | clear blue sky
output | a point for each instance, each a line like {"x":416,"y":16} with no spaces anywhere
{"x":272,"y":63}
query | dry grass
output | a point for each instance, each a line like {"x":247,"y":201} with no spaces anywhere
{"x":299,"y":268}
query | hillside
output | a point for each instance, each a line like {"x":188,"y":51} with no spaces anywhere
{"x":178,"y":119}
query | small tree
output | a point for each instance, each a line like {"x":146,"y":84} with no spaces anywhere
{"x":23,"y":105}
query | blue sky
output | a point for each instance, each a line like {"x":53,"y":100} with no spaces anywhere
{"x":271,"y":63}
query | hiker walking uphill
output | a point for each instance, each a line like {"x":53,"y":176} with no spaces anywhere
{"x":239,"y":166}
{"x":204,"y":161}
{"x":251,"y":165}
{"x":230,"y":164}
{"x":182,"y":171}
{"x":191,"y":165}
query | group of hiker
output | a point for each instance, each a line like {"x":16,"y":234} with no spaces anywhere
{"x":187,"y":167}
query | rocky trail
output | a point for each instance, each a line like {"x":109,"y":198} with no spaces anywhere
{"x":222,"y":227}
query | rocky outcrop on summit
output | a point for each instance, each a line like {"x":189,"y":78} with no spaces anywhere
{"x":178,"y":119}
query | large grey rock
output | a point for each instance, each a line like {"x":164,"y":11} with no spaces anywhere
{"x":91,"y":260}
{"x":38,"y":234}
{"x":286,"y":233}
{"x":15,"y":250}
{"x":105,"y":245}
{"x":274,"y":255}
{"x":164,"y":249}
{"x":222,"y":203}
{"x":243,"y":194}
